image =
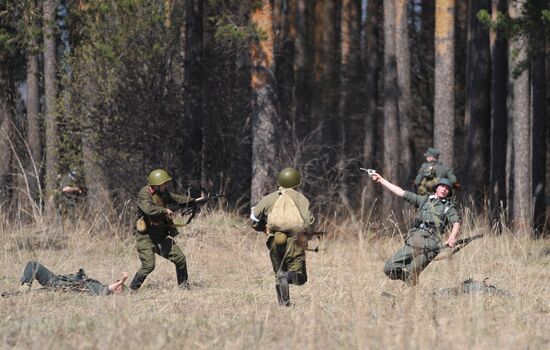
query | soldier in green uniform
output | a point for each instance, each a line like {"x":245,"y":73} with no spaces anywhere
{"x":431,"y":171}
{"x":70,"y":193}
{"x":155,"y":230}
{"x":286,"y":247}
{"x":423,"y":242}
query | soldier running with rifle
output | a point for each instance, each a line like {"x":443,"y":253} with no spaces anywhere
{"x":155,"y":228}
{"x":285,"y":218}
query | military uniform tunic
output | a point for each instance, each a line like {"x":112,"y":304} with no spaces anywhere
{"x":291,"y":255}
{"x":157,"y":239}
{"x":429,"y":173}
{"x":424,"y":239}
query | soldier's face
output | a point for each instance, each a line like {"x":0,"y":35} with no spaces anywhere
{"x":430,"y":158}
{"x":163,"y":187}
{"x":442,"y":191}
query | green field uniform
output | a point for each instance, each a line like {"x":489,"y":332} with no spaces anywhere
{"x":288,"y":257}
{"x":424,"y":239}
{"x":157,"y":239}
{"x":428,"y":175}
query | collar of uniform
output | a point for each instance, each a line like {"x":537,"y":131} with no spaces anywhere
{"x":433,"y":196}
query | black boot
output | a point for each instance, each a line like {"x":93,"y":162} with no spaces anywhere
{"x":137,"y":281}
{"x":279,"y":297}
{"x":284,"y":290}
{"x":182,"y":278}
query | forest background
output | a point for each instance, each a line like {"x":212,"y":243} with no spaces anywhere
{"x":223,"y":94}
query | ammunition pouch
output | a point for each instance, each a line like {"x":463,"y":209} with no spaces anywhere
{"x":141,"y":225}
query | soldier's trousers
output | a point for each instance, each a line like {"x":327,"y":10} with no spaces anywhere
{"x":147,"y":248}
{"x":289,"y":257}
{"x":419,"y":250}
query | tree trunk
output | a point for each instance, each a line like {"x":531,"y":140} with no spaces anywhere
{"x":499,"y":81}
{"x":406,"y":168}
{"x":264,"y":113}
{"x":477,"y":112}
{"x":372,"y":38}
{"x":540,"y":121}
{"x":391,"y":132}
{"x":522,"y":214}
{"x":6,"y":126}
{"x":444,"y":100}
{"x":50,"y":95}
{"x":302,"y":70}
{"x":193,"y":91}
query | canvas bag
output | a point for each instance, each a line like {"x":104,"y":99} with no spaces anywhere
{"x":285,"y":216}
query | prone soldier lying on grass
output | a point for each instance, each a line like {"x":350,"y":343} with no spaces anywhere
{"x":77,"y":282}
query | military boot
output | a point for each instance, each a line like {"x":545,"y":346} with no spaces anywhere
{"x":137,"y":281}
{"x":279,"y":297}
{"x":283,"y":287}
{"x":183,"y":282}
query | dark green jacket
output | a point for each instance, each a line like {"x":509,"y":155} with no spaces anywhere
{"x":434,"y":212}
{"x":152,"y":207}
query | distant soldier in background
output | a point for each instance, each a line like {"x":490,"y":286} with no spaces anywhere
{"x":155,"y":230}
{"x":70,"y":193}
{"x":284,"y":216}
{"x":431,"y":171}
{"x":437,"y":213}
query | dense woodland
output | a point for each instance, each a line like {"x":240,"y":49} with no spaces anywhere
{"x":225,"y":93}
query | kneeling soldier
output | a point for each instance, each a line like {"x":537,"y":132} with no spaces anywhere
{"x":284,"y":216}
{"x":155,"y":229}
{"x":424,"y":239}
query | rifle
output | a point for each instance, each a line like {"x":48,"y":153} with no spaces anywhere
{"x":447,"y":251}
{"x":309,"y":236}
{"x":192,"y":207}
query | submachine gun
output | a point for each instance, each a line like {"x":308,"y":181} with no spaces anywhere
{"x":447,"y":252}
{"x":192,"y":208}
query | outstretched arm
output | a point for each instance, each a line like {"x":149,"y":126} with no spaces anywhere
{"x":451,"y":241}
{"x":116,"y":287}
{"x":393,"y":188}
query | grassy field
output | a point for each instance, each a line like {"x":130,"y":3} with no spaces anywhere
{"x":233,"y":305}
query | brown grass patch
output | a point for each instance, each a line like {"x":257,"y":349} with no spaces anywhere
{"x":233,"y":303}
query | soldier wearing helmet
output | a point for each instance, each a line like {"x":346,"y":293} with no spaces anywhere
{"x":155,"y":230}
{"x":70,"y":193}
{"x":431,"y":171}
{"x":436,"y":214}
{"x":286,"y":246}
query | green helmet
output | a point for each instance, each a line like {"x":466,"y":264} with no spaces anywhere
{"x":446,"y":182}
{"x":288,"y":178}
{"x":158,"y":177}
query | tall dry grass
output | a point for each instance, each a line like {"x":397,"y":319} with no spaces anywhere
{"x":232,"y":304}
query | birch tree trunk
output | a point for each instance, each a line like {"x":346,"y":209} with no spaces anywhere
{"x":50,"y":95}
{"x":264,"y":113}
{"x":522,"y":214}
{"x":444,"y":101}
{"x":477,"y":111}
{"x":391,"y":132}
{"x":33,"y":138}
{"x":498,"y":132}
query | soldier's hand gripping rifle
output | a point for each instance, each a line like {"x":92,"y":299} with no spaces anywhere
{"x":192,"y":207}
{"x":447,"y":251}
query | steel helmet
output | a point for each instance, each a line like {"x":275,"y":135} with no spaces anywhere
{"x":446,"y":182}
{"x":158,"y":177}
{"x":288,"y":178}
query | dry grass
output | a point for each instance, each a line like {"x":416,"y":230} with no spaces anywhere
{"x":233,"y":303}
